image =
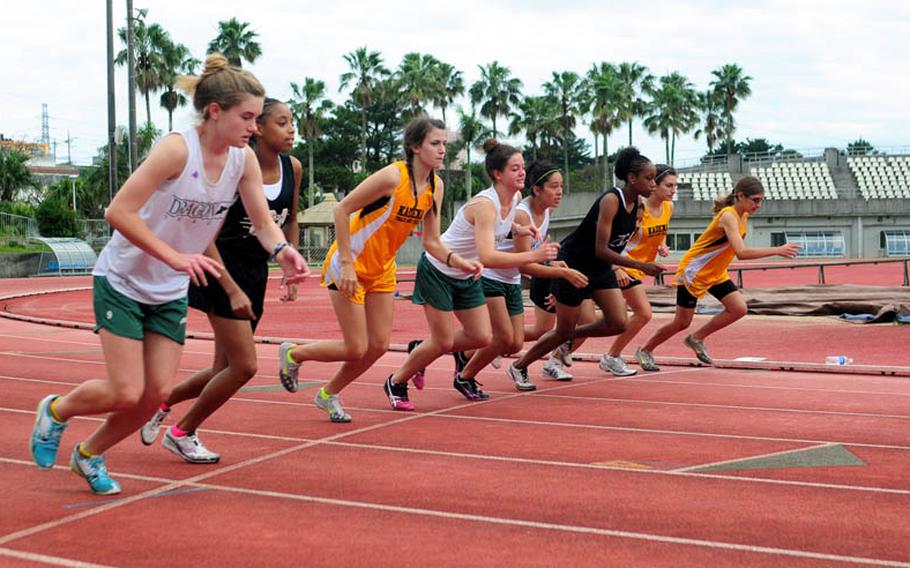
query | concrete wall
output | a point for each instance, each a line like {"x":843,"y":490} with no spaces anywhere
{"x":19,"y":265}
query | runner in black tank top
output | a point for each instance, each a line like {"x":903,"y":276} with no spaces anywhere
{"x":243,"y":257}
{"x":593,"y":248}
{"x":234,"y":302}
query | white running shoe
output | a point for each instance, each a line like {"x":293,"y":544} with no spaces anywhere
{"x":553,"y":369}
{"x":564,"y":353}
{"x":521,"y":379}
{"x":189,"y":447}
{"x":149,"y":432}
{"x":616,"y":366}
{"x":288,"y":370}
{"x":331,"y":403}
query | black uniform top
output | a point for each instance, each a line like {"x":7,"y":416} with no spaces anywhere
{"x":578,"y":249}
{"x":237,"y":238}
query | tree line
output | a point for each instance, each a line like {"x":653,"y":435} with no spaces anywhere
{"x":341,"y":143}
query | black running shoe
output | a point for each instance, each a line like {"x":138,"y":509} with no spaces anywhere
{"x":469,"y":388}
{"x":398,"y":395}
{"x":419,"y":378}
{"x":461,"y":361}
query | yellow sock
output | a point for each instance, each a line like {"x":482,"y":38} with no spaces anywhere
{"x":82,"y":451}
{"x":291,"y":359}
{"x":52,"y":408}
{"x":323,"y":395}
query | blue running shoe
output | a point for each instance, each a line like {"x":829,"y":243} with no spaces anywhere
{"x":46,"y":434}
{"x":95,"y":472}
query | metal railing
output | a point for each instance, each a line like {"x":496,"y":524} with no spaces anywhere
{"x":659,"y":279}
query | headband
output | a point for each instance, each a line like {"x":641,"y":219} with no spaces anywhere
{"x":544,"y":175}
{"x":663,"y":173}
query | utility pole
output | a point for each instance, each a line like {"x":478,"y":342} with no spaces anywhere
{"x":111,"y":115}
{"x":69,"y":148}
{"x":131,"y":69}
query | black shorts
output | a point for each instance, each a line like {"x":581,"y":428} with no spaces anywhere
{"x":568,"y":295}
{"x":251,"y":277}
{"x":538,"y":292}
{"x":633,"y":282}
{"x":684,"y":299}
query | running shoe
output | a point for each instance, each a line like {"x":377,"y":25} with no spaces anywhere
{"x":461,"y":361}
{"x":520,"y":377}
{"x":331,"y":403}
{"x":646,"y":360}
{"x":149,"y":432}
{"x":701,"y":351}
{"x":189,"y":447}
{"x":469,"y":388}
{"x":46,"y":434}
{"x":420,"y":378}
{"x":95,"y":472}
{"x":615,"y":365}
{"x":398,"y":395}
{"x":564,"y":353}
{"x":287,"y":368}
{"x":497,"y":362}
{"x":553,"y":369}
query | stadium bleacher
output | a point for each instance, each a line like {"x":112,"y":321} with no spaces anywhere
{"x":881,"y":177}
{"x":796,"y":180}
{"x":707,"y":185}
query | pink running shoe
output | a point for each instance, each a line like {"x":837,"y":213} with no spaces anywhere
{"x":398,"y":395}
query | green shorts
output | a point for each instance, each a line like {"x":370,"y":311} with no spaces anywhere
{"x":511,"y":292}
{"x":128,"y":318}
{"x":444,"y":292}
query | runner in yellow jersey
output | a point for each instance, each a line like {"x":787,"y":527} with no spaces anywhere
{"x":359,"y":270}
{"x":703,"y":269}
{"x":649,"y":240}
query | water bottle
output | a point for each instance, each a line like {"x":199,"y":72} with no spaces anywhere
{"x":838,"y":360}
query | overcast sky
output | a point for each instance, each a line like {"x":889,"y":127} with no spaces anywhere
{"x":823,"y":72}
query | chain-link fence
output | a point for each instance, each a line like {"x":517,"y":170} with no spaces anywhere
{"x":315,"y":241}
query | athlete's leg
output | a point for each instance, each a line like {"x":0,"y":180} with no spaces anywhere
{"x":378,"y":308}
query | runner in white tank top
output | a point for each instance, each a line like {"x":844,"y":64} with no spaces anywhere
{"x":487,"y":218}
{"x":165,"y":215}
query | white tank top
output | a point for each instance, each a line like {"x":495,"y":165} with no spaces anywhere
{"x":186,"y":213}
{"x":513,"y":275}
{"x":459,"y":237}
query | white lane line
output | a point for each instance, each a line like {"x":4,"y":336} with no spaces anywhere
{"x":46,"y":559}
{"x":730,"y":406}
{"x":540,"y":525}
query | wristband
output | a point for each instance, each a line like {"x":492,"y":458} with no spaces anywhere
{"x":449,"y":257}
{"x":279,"y":246}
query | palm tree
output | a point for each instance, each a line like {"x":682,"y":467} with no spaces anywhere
{"x":419,"y":76}
{"x":673,"y":110}
{"x":711,"y":107}
{"x":730,"y":86}
{"x":535,"y":116}
{"x":151,"y":41}
{"x":236,"y":42}
{"x":570,"y":91}
{"x":309,"y":105}
{"x":176,"y":61}
{"x":451,"y":85}
{"x":496,"y":91}
{"x":473,"y":133}
{"x":635,"y":80}
{"x":606,"y":90}
{"x":14,"y":174}
{"x":366,"y":70}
